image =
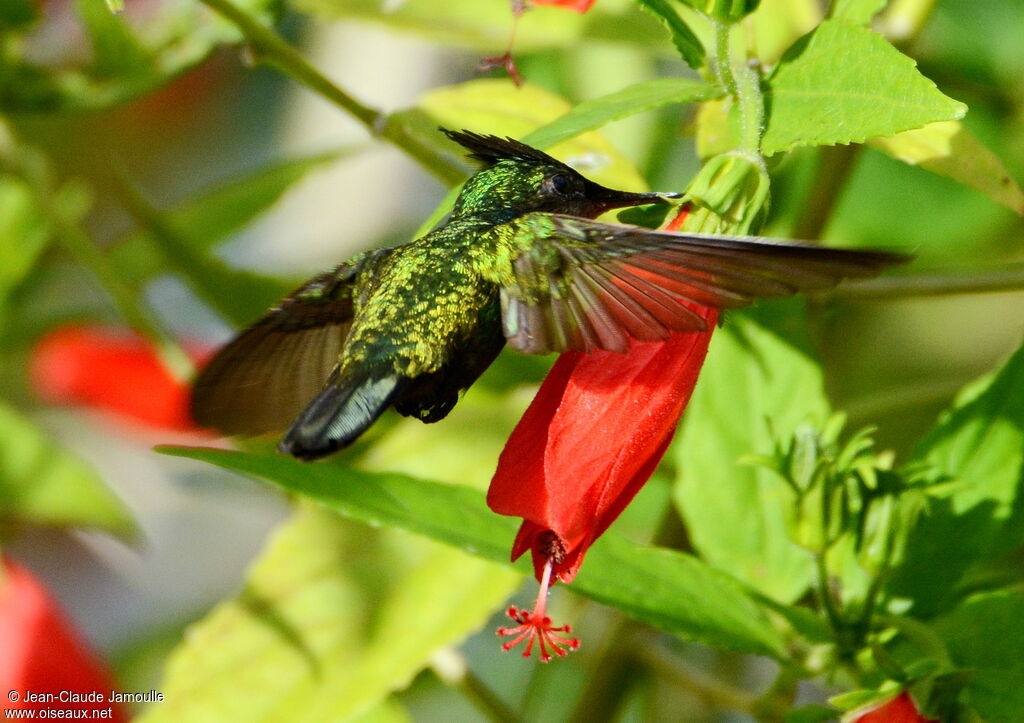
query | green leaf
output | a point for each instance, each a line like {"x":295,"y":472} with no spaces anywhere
{"x":857,"y":11}
{"x":592,"y":114}
{"x":116,"y":51}
{"x":496,"y":106}
{"x":126,"y":62}
{"x":16,"y":14}
{"x":984,"y":636}
{"x":949,"y":149}
{"x":42,"y":484}
{"x":212,"y":216}
{"x":725,"y":11}
{"x":331,"y":620}
{"x":979,"y":446}
{"x":674,"y":591}
{"x":686,"y":42}
{"x":23,"y":234}
{"x":736,"y":514}
{"x":239,"y":296}
{"x":843,"y":83}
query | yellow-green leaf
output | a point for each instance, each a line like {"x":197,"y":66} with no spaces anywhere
{"x":949,"y":149}
{"x":332,"y":619}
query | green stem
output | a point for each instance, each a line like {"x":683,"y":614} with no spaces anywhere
{"x":744,"y":84}
{"x":703,"y":686}
{"x":828,"y":605}
{"x":834,"y":168}
{"x":269,"y":48}
{"x":1010,"y":278}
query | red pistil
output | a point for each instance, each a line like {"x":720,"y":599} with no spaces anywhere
{"x":535,"y":626}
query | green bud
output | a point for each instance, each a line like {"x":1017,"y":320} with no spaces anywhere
{"x":724,"y":11}
{"x":729,"y":195}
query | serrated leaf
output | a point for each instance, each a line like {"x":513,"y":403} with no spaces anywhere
{"x":592,"y":114}
{"x":977,"y":445}
{"x":984,"y":636}
{"x":949,"y":149}
{"x":735,"y":513}
{"x":857,"y":11}
{"x":843,"y":84}
{"x":331,"y":620}
{"x":687,"y":43}
{"x":42,"y":484}
{"x":215,"y":214}
{"x":674,"y":591}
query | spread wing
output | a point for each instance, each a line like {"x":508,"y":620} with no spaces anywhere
{"x":265,"y":376}
{"x":585,"y":285}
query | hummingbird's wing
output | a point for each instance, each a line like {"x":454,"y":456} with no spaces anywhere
{"x":265,"y":376}
{"x":575,"y":283}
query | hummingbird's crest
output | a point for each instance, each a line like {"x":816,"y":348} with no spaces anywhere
{"x":489,"y":149}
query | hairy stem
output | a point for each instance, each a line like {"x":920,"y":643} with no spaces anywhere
{"x":744,"y":85}
{"x":269,"y":48}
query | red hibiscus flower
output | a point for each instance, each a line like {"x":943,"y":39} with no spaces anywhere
{"x":111,"y":370}
{"x":900,"y":709}
{"x":590,"y":439}
{"x":580,"y":6}
{"x":42,"y":654}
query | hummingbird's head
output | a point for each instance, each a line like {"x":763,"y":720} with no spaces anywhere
{"x":518,"y":179}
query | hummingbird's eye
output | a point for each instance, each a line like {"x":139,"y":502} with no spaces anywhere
{"x":559,"y":183}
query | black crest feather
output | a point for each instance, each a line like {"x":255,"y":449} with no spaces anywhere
{"x":490,"y":149}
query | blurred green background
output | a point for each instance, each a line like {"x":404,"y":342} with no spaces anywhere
{"x":895,"y":364}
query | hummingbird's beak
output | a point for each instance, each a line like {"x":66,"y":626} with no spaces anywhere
{"x":609,"y":198}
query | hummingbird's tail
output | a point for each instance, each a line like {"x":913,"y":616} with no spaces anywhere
{"x":338,"y":415}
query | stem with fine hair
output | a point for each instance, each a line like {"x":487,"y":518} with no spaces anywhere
{"x":744,"y":85}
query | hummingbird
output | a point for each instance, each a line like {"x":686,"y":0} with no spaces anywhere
{"x":522,"y":261}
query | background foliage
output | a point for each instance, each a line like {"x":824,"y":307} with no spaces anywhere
{"x":154,"y":172}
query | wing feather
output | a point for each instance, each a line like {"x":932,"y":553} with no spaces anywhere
{"x":583,"y":284}
{"x":265,"y":376}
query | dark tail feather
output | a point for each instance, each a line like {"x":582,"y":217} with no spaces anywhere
{"x":338,"y":415}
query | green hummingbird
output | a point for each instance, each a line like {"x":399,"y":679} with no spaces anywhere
{"x":520,"y":261}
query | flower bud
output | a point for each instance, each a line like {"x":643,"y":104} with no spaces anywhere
{"x":725,"y":11}
{"x":729,"y":195}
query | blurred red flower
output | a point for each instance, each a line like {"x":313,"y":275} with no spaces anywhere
{"x":580,"y":6}
{"x":590,"y":439}
{"x":900,"y":709}
{"x":42,"y":653}
{"x":112,"y":370}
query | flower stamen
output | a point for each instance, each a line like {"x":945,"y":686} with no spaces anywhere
{"x":535,"y":627}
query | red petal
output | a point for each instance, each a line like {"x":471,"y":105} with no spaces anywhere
{"x":593,"y":435}
{"x":41,"y":652}
{"x":580,"y":6}
{"x":110,"y":370}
